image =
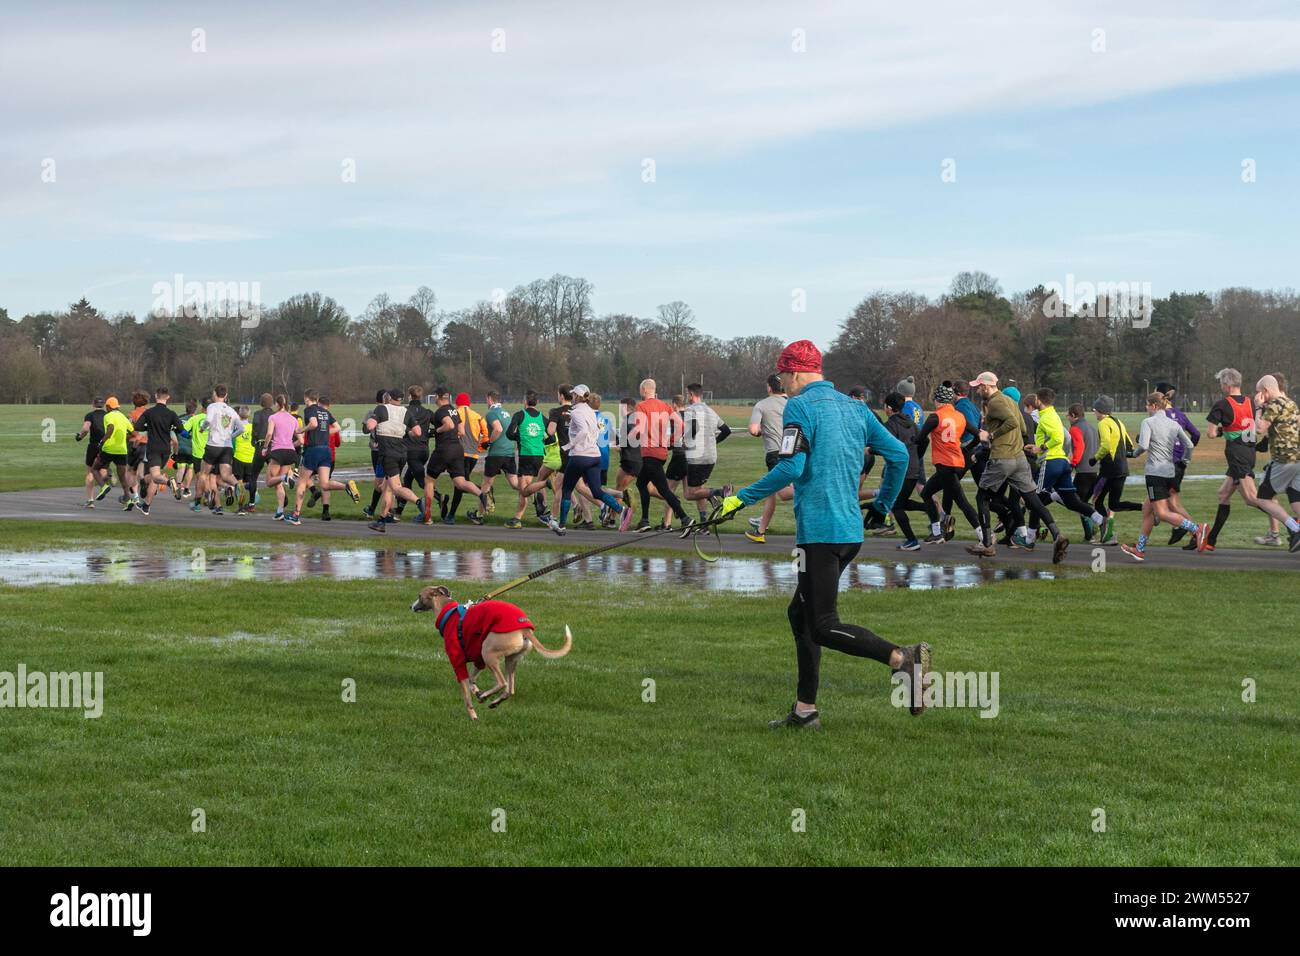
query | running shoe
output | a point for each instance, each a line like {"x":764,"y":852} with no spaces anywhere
{"x":448,"y":520}
{"x":1294,"y":542}
{"x":378,"y":526}
{"x":755,"y":523}
{"x":625,"y":519}
{"x":278,"y":516}
{"x":873,"y":521}
{"x":186,"y":493}
{"x":1108,"y":536}
{"x":643,"y":527}
{"x":1134,"y":552}
{"x":241,"y":512}
{"x":197,"y":506}
{"x":1059,"y":547}
{"x":929,"y":539}
{"x":293,"y":518}
{"x":1000,"y":528}
{"x":326,"y":516}
{"x":1021,"y":540}
{"x":89,"y":504}
{"x":795,"y":721}
{"x":313,"y":496}
{"x":1203,"y":537}
{"x":389,"y":519}
{"x":368,"y":511}
{"x":130,"y":503}
{"x":1179,"y":534}
{"x":948,"y":526}
{"x":756,"y":537}
{"x":175,"y":488}
{"x":144,"y":509}
{"x":483,"y":501}
{"x":353,"y":491}
{"x":444,"y":505}
{"x":1270,"y":540}
{"x":587,"y":526}
{"x":689,"y":525}
{"x":604,"y":514}
{"x":217,"y":510}
{"x":474,"y":517}
{"x":911,"y":544}
{"x":981,"y":550}
{"x":914,"y":666}
{"x":557,"y":527}
{"x":514,"y":524}
{"x":1089,"y":529}
{"x":230,"y":497}
{"x":539,"y":505}
{"x":491,"y":502}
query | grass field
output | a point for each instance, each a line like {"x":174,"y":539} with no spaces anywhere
{"x":227,"y":697}
{"x":28,"y":461}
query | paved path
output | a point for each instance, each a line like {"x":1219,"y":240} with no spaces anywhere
{"x":66,"y":504}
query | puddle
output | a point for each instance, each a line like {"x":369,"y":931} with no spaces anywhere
{"x":294,"y":561}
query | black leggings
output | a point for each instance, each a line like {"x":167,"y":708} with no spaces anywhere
{"x":652,"y":473}
{"x":948,"y":478}
{"x":1111,"y":489}
{"x":1070,"y":499}
{"x":904,"y":504}
{"x":815,"y":620}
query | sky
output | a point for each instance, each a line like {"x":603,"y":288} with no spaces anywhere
{"x":746,"y":158}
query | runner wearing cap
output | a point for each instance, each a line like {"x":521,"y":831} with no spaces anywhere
{"x":113,"y":450}
{"x":474,"y":439}
{"x":1181,"y":455}
{"x":583,"y":463}
{"x":945,"y":432}
{"x":822,"y":439}
{"x":1004,"y":429}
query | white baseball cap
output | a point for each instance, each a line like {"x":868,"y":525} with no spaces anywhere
{"x":985,"y":378}
{"x":581,"y":390}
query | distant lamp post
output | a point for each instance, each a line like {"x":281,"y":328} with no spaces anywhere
{"x":471,"y":372}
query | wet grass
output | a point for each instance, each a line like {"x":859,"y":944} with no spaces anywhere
{"x":1120,"y":691}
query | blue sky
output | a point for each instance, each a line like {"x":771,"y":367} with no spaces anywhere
{"x":775,"y":169}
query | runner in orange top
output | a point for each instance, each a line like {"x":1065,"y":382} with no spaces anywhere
{"x":943,"y":430}
{"x":657,"y":425}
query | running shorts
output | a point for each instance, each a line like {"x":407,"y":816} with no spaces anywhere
{"x":217,"y":456}
{"x":315,"y":457}
{"x":1159,"y":488}
{"x":495,"y":465}
{"x":698,"y":474}
{"x":285,"y":457}
{"x":1008,"y":471}
{"x":530,"y":465}
{"x":676,"y":469}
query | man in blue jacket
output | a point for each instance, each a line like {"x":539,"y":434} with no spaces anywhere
{"x":822,"y":440}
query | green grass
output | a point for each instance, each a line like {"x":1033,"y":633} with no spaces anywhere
{"x":28,"y":462}
{"x":227,"y":697}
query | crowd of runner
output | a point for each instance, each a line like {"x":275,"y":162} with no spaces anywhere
{"x":1024,"y":455}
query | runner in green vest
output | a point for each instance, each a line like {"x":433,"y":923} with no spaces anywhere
{"x":528,"y":430}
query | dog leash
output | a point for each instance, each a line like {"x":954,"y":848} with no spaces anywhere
{"x":693,"y":532}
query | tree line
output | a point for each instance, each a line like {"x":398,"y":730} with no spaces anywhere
{"x":547,"y":331}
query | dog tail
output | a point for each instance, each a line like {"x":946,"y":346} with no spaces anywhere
{"x":547,"y":652}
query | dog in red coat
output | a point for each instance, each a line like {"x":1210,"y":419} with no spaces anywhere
{"x":491,"y":635}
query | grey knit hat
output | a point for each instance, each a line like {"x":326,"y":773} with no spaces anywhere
{"x":906,"y":387}
{"x":1104,"y":404}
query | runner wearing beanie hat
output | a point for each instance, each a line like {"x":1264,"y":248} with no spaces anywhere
{"x":823,"y":434}
{"x":911,"y":408}
{"x":1113,"y":446}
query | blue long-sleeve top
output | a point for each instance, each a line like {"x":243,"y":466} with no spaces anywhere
{"x":825,"y":477}
{"x":972,"y":414}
